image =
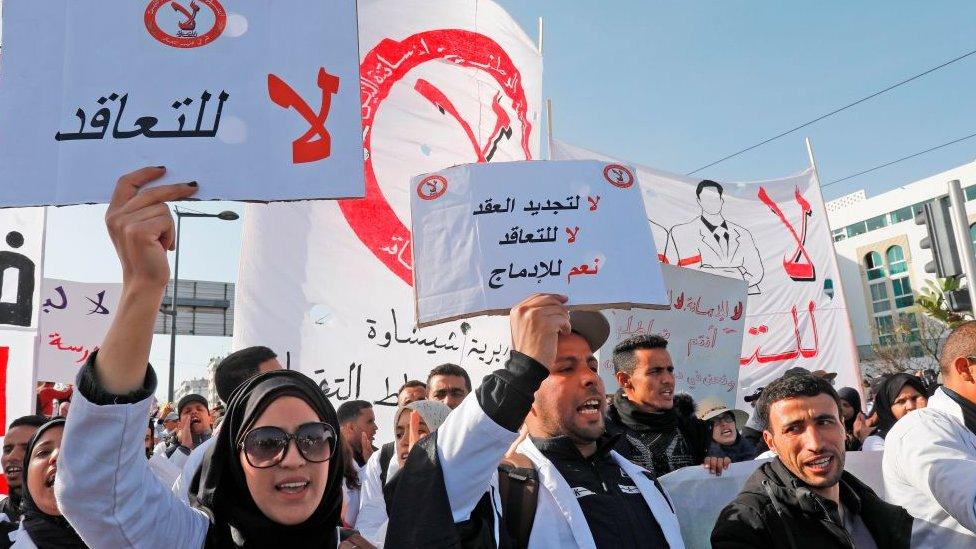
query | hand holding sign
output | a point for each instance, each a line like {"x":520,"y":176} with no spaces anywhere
{"x":487,"y":235}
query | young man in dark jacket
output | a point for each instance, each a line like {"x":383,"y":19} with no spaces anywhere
{"x":804,"y":498}
{"x":642,"y":415}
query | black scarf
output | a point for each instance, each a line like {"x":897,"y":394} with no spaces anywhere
{"x":852,"y":397}
{"x":886,"y":394}
{"x":46,"y":531}
{"x":658,"y":422}
{"x":220,"y":489}
{"x":968,"y":408}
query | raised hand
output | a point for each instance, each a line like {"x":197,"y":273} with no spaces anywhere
{"x":536,"y":324}
{"x":142,"y":230}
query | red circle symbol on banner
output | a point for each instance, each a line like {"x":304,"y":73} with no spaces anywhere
{"x":372,"y":218}
{"x":182,"y":31}
{"x":432,"y":187}
{"x":618,"y":176}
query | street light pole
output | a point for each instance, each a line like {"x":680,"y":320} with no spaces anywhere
{"x":224,"y":216}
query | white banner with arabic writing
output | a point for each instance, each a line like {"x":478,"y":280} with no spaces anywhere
{"x":74,"y":318}
{"x":488,"y":235}
{"x":21,"y":265}
{"x":253,"y":99}
{"x":773,"y":235}
{"x":330,"y":284}
{"x":703,"y":326}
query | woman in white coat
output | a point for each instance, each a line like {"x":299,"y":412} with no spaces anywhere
{"x":271,"y":479}
{"x":42,"y":526}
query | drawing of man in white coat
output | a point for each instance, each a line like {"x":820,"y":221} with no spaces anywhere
{"x":711,"y":243}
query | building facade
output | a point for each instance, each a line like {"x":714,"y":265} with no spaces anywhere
{"x":882,"y":263}
{"x":199,"y":386}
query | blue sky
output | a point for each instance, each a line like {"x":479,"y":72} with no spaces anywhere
{"x":676,"y":85}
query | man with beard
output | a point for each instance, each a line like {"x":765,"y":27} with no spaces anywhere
{"x":652,"y":434}
{"x":195,"y":428}
{"x":588,"y":494}
{"x":803,"y":497}
{"x":15,"y":442}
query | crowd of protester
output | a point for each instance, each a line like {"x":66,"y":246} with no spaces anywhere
{"x":537,"y":455}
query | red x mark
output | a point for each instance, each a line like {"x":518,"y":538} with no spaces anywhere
{"x":502,"y":122}
{"x":794,"y":268}
{"x":305,"y":149}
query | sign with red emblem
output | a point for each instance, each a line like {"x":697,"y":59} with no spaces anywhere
{"x":252,"y":100}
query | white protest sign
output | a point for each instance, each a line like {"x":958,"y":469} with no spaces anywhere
{"x":21,"y":264}
{"x":703,"y":326}
{"x":773,"y":235}
{"x":253,"y":99}
{"x":487,"y":236}
{"x":700,"y":496}
{"x":444,"y":82}
{"x":74,"y":318}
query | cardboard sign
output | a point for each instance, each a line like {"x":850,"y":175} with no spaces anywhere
{"x":487,"y":236}
{"x":74,"y":318}
{"x":703,"y":326}
{"x":255,"y":100}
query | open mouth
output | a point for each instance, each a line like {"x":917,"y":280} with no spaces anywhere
{"x":726,"y":432}
{"x":590,"y":407}
{"x":13,"y":470}
{"x":667,"y":393}
{"x":820,"y":465}
{"x":49,"y":479}
{"x":292,"y":486}
{"x":194,"y":420}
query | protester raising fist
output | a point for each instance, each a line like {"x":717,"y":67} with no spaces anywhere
{"x":273,"y":476}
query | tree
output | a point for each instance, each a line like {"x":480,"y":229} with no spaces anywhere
{"x":933,"y":302}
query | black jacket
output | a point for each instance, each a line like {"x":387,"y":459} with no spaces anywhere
{"x":694,"y":430}
{"x":775,"y":509}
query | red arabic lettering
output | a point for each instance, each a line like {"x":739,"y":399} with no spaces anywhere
{"x":305,"y":149}
{"x":794,"y":268}
{"x":798,"y":351}
{"x":593,"y":202}
{"x":572,"y":234}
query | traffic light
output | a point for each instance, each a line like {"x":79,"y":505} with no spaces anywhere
{"x":945,"y":254}
{"x":941,"y":240}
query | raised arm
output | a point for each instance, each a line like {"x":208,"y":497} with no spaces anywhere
{"x":475,"y":437}
{"x":104,"y":485}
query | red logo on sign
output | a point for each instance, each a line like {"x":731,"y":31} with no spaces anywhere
{"x":372,"y":217}
{"x":432,"y":187}
{"x":618,"y":176}
{"x":179,"y":28}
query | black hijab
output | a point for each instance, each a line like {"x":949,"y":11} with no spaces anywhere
{"x":220,"y":488}
{"x":852,"y":397}
{"x":45,"y":530}
{"x":885,"y":395}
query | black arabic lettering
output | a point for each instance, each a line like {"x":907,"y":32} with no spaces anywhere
{"x":99,"y":308}
{"x":48,"y":304}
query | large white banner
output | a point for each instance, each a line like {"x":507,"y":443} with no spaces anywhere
{"x":329,"y":285}
{"x":703,"y":326}
{"x":21,"y":265}
{"x":74,"y":318}
{"x":256,"y":100}
{"x":771,"y":234}
{"x":485,"y":236}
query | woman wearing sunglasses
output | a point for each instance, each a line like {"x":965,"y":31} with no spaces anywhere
{"x":271,"y":479}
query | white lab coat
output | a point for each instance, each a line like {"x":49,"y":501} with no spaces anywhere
{"x":470,"y":447}
{"x":372,"y":518}
{"x":929,"y":466}
{"x":181,"y":487}
{"x":22,"y":539}
{"x":691,"y":244}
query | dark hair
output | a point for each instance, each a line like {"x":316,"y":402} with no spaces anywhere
{"x":412,"y":383}
{"x":624,"y":358}
{"x":792,"y":386}
{"x":448,"y":369}
{"x":238,"y":367}
{"x":684,"y":405}
{"x":349,"y":411}
{"x":961,"y":342}
{"x":704,"y":183}
{"x":32,"y":420}
{"x":350,"y":471}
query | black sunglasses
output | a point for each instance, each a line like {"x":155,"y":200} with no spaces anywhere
{"x":266,"y":446}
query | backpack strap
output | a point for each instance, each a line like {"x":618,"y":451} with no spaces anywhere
{"x":518,"y":486}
